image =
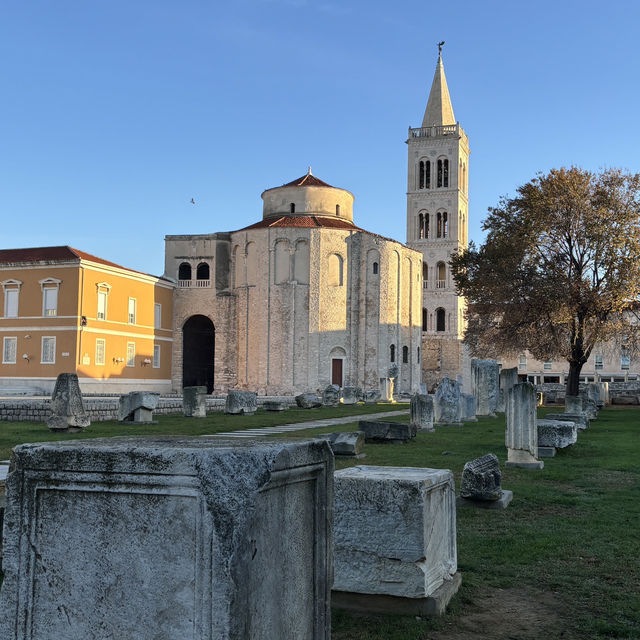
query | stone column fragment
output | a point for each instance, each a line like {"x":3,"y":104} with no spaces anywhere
{"x":485,"y":385}
{"x":194,"y":402}
{"x":421,"y":410}
{"x":67,"y":408}
{"x":508,"y":377}
{"x":522,"y":433}
{"x":447,"y":403}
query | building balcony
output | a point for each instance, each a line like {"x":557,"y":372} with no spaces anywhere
{"x":436,"y":132}
{"x":441,"y":284}
{"x":194,"y":284}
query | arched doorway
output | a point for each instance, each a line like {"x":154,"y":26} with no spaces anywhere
{"x":198,"y":349}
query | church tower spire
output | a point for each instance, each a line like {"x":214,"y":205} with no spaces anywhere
{"x":437,"y":223}
{"x":439,"y":109}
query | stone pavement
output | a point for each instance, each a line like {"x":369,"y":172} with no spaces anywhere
{"x":310,"y":424}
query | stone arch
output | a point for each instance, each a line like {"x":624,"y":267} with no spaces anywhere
{"x":282,"y":261}
{"x":184,"y":271}
{"x":198,"y":352}
{"x":441,"y":319}
{"x":335,"y":275}
{"x":203,"y":271}
{"x":301,"y":262}
{"x":252,"y":264}
{"x":238,"y":266}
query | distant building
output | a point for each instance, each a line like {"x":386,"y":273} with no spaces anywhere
{"x":301,"y":299}
{"x":66,"y":311}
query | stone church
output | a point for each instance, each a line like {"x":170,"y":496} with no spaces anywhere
{"x":298,"y":300}
{"x":437,"y":226}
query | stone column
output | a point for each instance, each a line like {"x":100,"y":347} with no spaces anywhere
{"x":522,"y":433}
{"x":604,"y":393}
{"x":508,"y":377}
{"x":422,"y":411}
{"x":485,"y":385}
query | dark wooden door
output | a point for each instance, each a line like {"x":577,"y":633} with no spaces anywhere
{"x":336,"y":371}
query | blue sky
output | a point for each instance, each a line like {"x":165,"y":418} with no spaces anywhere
{"x":114,"y":114}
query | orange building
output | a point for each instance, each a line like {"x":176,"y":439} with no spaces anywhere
{"x":66,"y":311}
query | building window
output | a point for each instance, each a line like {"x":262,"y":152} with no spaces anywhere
{"x":292,"y":207}
{"x":9,"y":350}
{"x":50,"y":302}
{"x":392,"y":353}
{"x":425,"y":319}
{"x":336,"y":276}
{"x":445,"y":173}
{"x":440,"y":320}
{"x":424,"y":174}
{"x":48,"y":350}
{"x":625,"y":362}
{"x":547,"y":365}
{"x":132,"y":311}
{"x":375,"y":268}
{"x":405,"y":355}
{"x":441,"y":282}
{"x":184,"y":271}
{"x":202,"y":271}
{"x":157,"y":315}
{"x":102,"y":305}
{"x":11,"y":303}
{"x":100,"y":349}
{"x":337,"y":209}
{"x":156,"y":356}
{"x":131,"y":354}
{"x":522,"y":364}
{"x":597,"y":362}
{"x":445,"y":224}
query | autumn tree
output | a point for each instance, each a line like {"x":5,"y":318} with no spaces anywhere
{"x":559,"y":271}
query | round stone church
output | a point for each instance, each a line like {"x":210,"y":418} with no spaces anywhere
{"x":301,"y":299}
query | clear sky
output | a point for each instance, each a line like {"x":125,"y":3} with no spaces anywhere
{"x":115,"y":113}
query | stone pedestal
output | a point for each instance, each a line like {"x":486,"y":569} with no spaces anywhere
{"x":446,"y":403}
{"x":168,"y":538}
{"x":241,"y":403}
{"x":482,"y":478}
{"x":275,"y":405}
{"x":485,"y":385}
{"x":371,"y":397}
{"x":508,"y":377}
{"x":348,"y":444}
{"x":138,"y":407}
{"x":581,"y":421}
{"x":395,"y":533}
{"x":522,"y":433}
{"x":421,"y":411}
{"x":67,"y":409}
{"x":194,"y":402}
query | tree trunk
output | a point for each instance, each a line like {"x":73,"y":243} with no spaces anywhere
{"x":573,"y":381}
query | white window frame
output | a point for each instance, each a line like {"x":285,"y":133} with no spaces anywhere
{"x":547,"y":365}
{"x":625,"y":362}
{"x":49,"y":284}
{"x":131,"y":357}
{"x":103,"y":343}
{"x":6,"y":341}
{"x":522,"y":363}
{"x":42,"y":352}
{"x":157,"y":315}
{"x":598,"y":362}
{"x":156,"y":356}
{"x":103,"y":288}
{"x":7,"y":293}
{"x":131,"y":317}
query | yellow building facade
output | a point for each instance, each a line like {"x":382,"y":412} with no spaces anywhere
{"x":66,"y":311}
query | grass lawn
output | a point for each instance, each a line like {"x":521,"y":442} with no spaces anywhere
{"x":562,"y":562}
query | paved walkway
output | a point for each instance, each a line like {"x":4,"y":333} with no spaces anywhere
{"x":300,"y":426}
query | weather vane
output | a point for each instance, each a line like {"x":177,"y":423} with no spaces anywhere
{"x":440,"y":48}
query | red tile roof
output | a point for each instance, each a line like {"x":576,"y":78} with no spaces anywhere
{"x":307,"y":180}
{"x":54,"y":254}
{"x":313,"y":222}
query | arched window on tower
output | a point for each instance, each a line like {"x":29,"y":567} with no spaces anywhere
{"x":439,"y":182}
{"x":440,"y":320}
{"x":424,"y":174}
{"x":420,"y":226}
{"x":421,"y":175}
{"x":426,"y":225}
{"x":439,"y":225}
{"x":202,"y":271}
{"x":442,"y":275}
{"x":445,"y":224}
{"x":392,"y":353}
{"x":184,"y":271}
{"x":425,"y":275}
{"x":337,"y":209}
{"x":425,"y":319}
{"x":405,"y":354}
{"x":445,"y":173}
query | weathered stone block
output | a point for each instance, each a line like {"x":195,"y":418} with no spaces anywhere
{"x":194,"y":402}
{"x":481,"y":478}
{"x":67,"y":410}
{"x":168,"y":538}
{"x":395,"y":530}
{"x":241,"y":403}
{"x":351,"y":395}
{"x":507,"y":378}
{"x":386,"y":389}
{"x":556,"y":433}
{"x":275,"y":405}
{"x":485,"y":385}
{"x":446,"y":402}
{"x":468,"y":404}
{"x":347,"y":443}
{"x":138,"y":406}
{"x":331,"y":396}
{"x":581,"y":420}
{"x":371,"y":397}
{"x":573,"y":404}
{"x":308,"y":401}
{"x":389,"y":432}
{"x":421,"y":411}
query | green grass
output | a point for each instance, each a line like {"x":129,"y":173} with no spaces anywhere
{"x":571,"y":531}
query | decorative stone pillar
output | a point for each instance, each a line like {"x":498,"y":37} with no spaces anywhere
{"x":485,"y":385}
{"x":522,"y":432}
{"x":422,"y":411}
{"x":386,"y":389}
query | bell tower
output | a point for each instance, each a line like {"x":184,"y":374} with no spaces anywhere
{"x":437,"y":224}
